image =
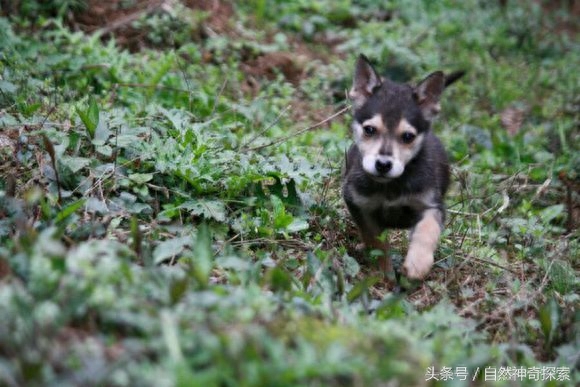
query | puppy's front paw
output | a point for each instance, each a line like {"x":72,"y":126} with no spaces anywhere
{"x":417,"y":263}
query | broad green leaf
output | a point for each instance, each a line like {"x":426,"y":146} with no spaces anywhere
{"x":170,"y":248}
{"x":281,"y":218}
{"x":351,"y":266}
{"x":7,"y":87}
{"x":170,"y":331}
{"x":361,"y":288}
{"x":279,"y":279}
{"x":340,"y":281}
{"x":209,"y":209}
{"x":549,"y":315}
{"x":161,"y":72}
{"x":234,"y":263}
{"x":66,"y":212}
{"x":313,"y":263}
{"x":75,"y":164}
{"x":202,"y":262}
{"x":90,"y":117}
{"x":30,"y":109}
{"x":140,"y":178}
{"x":391,"y":307}
{"x":95,"y":205}
{"x":178,"y":289}
{"x":101,"y":134}
{"x":105,"y":150}
{"x":136,"y":236}
{"x":548,"y":214}
{"x":297,"y":225}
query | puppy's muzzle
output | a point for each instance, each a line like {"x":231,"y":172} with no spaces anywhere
{"x":383,"y":166}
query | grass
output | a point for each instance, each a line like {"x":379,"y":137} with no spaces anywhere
{"x":170,"y":197}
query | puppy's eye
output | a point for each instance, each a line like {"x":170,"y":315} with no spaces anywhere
{"x":408,"y":137}
{"x":369,"y":130}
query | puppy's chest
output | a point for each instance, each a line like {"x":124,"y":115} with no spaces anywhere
{"x":399,"y":212}
{"x":378,"y":201}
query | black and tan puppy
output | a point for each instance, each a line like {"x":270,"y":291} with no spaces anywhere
{"x":397,"y":170}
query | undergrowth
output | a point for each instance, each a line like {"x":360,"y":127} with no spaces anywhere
{"x":172,"y":216}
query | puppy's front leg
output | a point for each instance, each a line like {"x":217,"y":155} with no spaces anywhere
{"x":424,"y":239}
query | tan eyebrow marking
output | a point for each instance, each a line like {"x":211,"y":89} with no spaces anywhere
{"x":376,"y":121}
{"x":405,"y":126}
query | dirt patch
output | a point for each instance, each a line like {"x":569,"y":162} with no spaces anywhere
{"x":114,"y":19}
{"x":269,"y":65}
{"x":567,"y":14}
{"x":117,"y":19}
{"x":131,"y":24}
{"x":220,"y":14}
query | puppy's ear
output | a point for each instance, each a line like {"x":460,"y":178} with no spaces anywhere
{"x":453,"y":77}
{"x":366,"y":80}
{"x":428,"y":93}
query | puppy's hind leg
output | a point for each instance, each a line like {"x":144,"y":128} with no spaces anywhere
{"x":372,"y":242}
{"x":370,"y":233}
{"x":424,"y":239}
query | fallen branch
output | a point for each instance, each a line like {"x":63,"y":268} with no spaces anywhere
{"x":260,"y":133}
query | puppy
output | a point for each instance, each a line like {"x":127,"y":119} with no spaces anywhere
{"x":397,"y":171}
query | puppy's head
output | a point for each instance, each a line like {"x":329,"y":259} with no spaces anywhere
{"x":391,"y":119}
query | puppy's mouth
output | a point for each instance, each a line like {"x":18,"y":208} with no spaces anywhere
{"x":379,"y":178}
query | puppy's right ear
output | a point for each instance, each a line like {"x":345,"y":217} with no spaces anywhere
{"x":366,"y":80}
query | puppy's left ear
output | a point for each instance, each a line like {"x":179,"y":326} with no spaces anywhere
{"x":428,"y":94}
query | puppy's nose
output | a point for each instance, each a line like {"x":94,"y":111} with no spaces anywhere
{"x":383,"y":166}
